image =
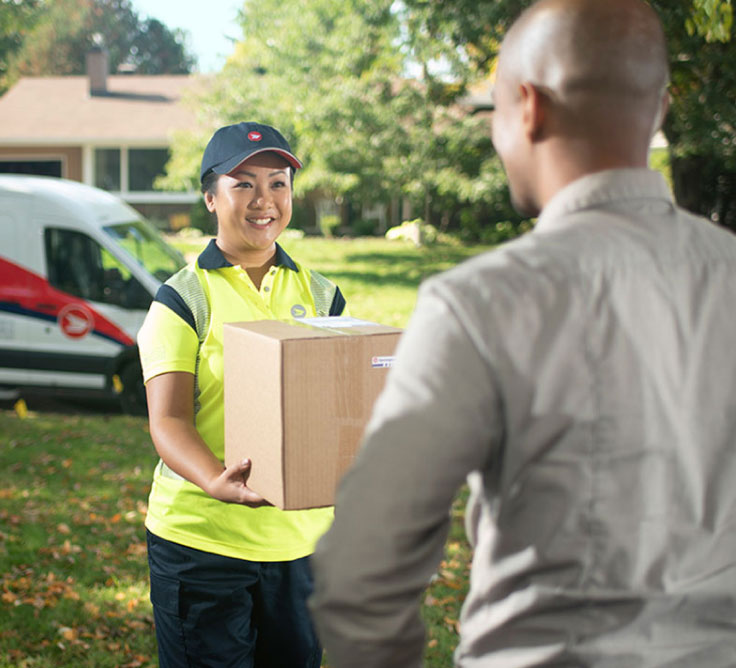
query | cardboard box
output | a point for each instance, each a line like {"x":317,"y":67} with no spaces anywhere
{"x":298,"y":394}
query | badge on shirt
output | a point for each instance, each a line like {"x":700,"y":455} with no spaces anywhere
{"x":298,"y":311}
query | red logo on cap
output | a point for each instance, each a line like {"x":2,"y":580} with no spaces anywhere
{"x":255,"y":136}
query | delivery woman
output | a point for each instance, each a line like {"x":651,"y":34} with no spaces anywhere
{"x":229,"y":573}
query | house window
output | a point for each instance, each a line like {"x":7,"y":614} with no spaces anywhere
{"x":107,"y":169}
{"x":144,"y":165}
{"x":35,"y":167}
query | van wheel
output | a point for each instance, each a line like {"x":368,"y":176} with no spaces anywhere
{"x":133,"y":395}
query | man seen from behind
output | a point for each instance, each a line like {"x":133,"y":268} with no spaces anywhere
{"x":581,"y":377}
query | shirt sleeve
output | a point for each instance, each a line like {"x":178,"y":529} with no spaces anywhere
{"x":436,"y":421}
{"x":166,"y":343}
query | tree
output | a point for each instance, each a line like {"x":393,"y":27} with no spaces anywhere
{"x":67,"y":29}
{"x":332,"y":75}
{"x":17,"y":18}
{"x":701,"y":126}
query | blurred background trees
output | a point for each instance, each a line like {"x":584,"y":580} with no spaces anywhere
{"x":372,"y":93}
{"x":380,"y":131}
{"x":375,"y":96}
{"x":701,"y":125}
{"x":52,"y":37}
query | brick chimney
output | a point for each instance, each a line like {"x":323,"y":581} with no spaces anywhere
{"x":97,"y":69}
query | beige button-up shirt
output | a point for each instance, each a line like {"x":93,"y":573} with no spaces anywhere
{"x":583,"y":378}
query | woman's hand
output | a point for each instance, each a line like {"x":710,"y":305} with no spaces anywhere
{"x":178,"y":443}
{"x":230,"y":486}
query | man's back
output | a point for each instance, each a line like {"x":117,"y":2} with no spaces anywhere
{"x":583,"y":376}
{"x":611,"y":509}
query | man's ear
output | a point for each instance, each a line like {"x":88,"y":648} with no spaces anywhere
{"x":532,"y":110}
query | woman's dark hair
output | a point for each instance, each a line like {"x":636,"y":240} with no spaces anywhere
{"x":209,"y":183}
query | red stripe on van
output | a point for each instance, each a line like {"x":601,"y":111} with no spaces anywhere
{"x":32,"y":294}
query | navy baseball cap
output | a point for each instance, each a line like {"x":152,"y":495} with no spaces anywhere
{"x":232,"y":144}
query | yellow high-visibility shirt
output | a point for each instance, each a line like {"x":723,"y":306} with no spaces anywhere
{"x":183,"y":332}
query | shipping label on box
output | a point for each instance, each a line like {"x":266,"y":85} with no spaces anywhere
{"x":298,"y":395}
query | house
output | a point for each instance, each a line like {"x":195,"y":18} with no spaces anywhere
{"x":109,"y":131}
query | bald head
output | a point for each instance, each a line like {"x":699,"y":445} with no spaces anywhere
{"x":583,"y":52}
{"x":593,"y":46}
{"x":596,"y":72}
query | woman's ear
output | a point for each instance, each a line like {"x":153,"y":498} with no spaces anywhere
{"x":209,"y":201}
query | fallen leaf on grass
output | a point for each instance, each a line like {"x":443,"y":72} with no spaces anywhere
{"x":92,"y":609}
{"x":452,"y":624}
{"x":21,"y":409}
{"x":137,"y":549}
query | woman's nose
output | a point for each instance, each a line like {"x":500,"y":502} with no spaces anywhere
{"x":260,"y":198}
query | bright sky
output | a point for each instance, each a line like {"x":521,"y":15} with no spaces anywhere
{"x":208,"y":24}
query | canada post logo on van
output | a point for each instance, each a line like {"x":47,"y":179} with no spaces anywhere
{"x":76,"y":321}
{"x":26,"y":294}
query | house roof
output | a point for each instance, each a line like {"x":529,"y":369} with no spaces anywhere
{"x":135,"y":109}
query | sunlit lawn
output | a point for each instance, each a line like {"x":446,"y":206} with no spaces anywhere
{"x":74,"y":485}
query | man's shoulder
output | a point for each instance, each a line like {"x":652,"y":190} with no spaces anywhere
{"x":527,"y":258}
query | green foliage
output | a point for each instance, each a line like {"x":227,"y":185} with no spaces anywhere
{"x":659,"y":159}
{"x":328,"y":224}
{"x":702,"y":117}
{"x":59,"y":37}
{"x":363,"y":228}
{"x":701,"y":125}
{"x":17,"y":19}
{"x":329,"y":75}
{"x":711,"y":19}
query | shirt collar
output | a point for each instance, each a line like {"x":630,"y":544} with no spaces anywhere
{"x":612,"y":186}
{"x":212,"y":258}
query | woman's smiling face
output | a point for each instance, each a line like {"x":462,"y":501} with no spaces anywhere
{"x":252,"y":204}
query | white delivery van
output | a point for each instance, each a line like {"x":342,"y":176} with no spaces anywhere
{"x":78,"y":270}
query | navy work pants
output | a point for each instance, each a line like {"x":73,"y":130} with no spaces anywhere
{"x":221,"y":612}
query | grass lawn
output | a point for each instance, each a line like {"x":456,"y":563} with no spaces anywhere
{"x":74,"y":482}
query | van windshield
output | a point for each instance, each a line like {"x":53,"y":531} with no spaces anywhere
{"x":146,"y":246}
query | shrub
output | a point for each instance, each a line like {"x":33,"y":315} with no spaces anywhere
{"x":363,"y":228}
{"x":328,"y":224}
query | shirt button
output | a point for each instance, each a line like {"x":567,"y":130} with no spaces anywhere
{"x":266,"y":289}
